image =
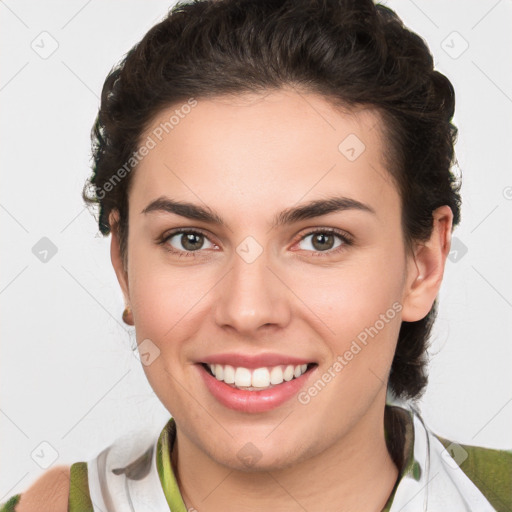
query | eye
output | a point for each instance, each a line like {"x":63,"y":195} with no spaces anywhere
{"x":326,"y":240}
{"x":185,"y":242}
{"x":190,"y":241}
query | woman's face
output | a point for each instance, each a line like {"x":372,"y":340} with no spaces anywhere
{"x":254,"y":280}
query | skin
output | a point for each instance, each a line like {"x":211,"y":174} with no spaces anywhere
{"x":49,"y":492}
{"x":248,"y":158}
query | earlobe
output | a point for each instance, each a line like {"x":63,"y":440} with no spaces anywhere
{"x":426,"y":267}
{"x":116,"y":257}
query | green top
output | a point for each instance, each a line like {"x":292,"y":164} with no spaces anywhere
{"x":490,"y":471}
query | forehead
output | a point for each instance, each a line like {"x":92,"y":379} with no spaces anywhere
{"x":275,"y":149}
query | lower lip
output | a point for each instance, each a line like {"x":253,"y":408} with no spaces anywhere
{"x":253,"y":401}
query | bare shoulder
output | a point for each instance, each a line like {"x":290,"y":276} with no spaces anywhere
{"x":49,"y":492}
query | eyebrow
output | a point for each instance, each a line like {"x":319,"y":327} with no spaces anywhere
{"x":310,"y":210}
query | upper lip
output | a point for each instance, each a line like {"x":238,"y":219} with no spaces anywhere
{"x":254,"y":361}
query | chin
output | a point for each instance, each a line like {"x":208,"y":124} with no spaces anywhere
{"x":250,"y":459}
{"x":250,"y":454}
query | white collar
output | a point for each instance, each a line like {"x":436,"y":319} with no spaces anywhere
{"x":435,"y":482}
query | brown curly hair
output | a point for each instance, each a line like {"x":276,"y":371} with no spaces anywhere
{"x":352,"y":52}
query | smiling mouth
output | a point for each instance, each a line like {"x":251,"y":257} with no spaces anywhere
{"x":256,"y":379}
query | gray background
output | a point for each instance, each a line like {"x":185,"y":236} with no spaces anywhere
{"x":70,"y":383}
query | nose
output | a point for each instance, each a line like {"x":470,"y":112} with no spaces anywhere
{"x":251,"y":298}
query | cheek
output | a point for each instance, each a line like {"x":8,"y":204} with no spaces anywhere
{"x":162,"y":295}
{"x":357,"y":310}
{"x":349,"y":298}
{"x":170,"y":306}
{"x":360,"y":318}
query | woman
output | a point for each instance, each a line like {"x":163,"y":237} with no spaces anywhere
{"x":276,"y":179}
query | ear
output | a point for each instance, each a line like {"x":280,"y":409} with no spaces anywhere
{"x":115,"y":255}
{"x":425,"y":267}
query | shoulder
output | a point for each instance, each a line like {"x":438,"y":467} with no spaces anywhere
{"x":49,"y":492}
{"x":489,"y":469}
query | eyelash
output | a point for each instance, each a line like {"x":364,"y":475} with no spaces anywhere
{"x":343,"y":235}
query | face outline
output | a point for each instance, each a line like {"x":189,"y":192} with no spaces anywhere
{"x":280,"y":150}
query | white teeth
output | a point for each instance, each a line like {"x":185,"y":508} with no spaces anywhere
{"x":258,"y":378}
{"x":288,"y":373}
{"x":229,"y":374}
{"x":276,"y":375}
{"x":242,"y":377}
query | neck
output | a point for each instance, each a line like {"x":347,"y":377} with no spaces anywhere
{"x":356,"y":473}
